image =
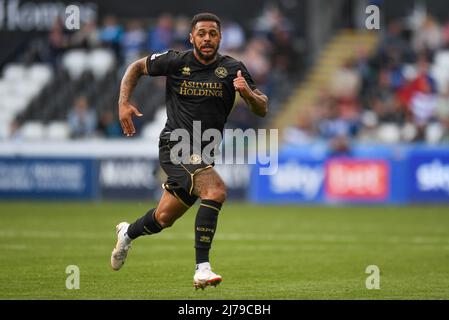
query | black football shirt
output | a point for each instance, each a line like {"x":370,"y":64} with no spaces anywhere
{"x":195,"y":91}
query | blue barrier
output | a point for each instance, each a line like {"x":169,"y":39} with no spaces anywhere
{"x":42,"y":178}
{"x":56,"y":178}
{"x":370,"y":174}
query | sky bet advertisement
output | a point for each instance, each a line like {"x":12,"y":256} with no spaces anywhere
{"x":418,"y":175}
{"x":430,"y":177}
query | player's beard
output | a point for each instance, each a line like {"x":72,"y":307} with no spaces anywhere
{"x":208,"y":57}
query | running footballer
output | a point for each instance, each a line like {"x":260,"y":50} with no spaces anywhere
{"x":201,"y":86}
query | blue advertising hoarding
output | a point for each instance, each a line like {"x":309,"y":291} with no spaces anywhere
{"x":369,"y":175}
{"x":56,"y":178}
{"x":296,"y":180}
{"x":429,"y":176}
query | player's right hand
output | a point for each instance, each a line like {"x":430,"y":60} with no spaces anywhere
{"x":125,"y":113}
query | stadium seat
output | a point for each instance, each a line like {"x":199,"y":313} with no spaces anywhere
{"x":75,"y":62}
{"x":434,"y":133}
{"x":33,"y":130}
{"x":100,"y":62}
{"x":4,"y":130}
{"x":152,"y":130}
{"x":5,"y":87}
{"x":41,"y":73}
{"x":388,"y":133}
{"x":442,"y":58}
{"x":57,"y":130}
{"x":14,"y":71}
{"x":5,"y":119}
{"x":440,"y":70}
{"x":14,"y":103}
{"x":27,"y":89}
{"x":408,"y":132}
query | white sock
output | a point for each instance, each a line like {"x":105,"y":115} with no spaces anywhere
{"x":202,"y":266}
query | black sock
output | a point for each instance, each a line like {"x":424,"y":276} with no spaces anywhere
{"x":144,"y":225}
{"x":205,"y":225}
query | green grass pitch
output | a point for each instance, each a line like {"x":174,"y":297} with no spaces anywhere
{"x":262,"y":252}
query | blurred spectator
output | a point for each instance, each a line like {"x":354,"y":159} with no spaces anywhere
{"x":255,"y":60}
{"x":14,"y":132}
{"x":301,"y":132}
{"x":111,"y":34}
{"x":161,"y":37}
{"x":346,"y":82}
{"x":442,"y":105}
{"x":133,"y":41}
{"x":393,"y":44}
{"x":232,"y":36}
{"x":271,"y":19}
{"x":427,"y":37}
{"x":181,"y":33}
{"x":331,"y":125}
{"x":445,"y":36}
{"x":382,"y":99}
{"x":58,"y":40}
{"x":87,"y":37}
{"x":283,"y":53}
{"x":109,"y":126}
{"x":82,"y":120}
{"x":266,"y":51}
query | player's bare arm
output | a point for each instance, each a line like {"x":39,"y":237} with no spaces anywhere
{"x":129,"y":82}
{"x":256,"y":100}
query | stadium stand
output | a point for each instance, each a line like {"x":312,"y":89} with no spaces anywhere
{"x":40,"y":87}
{"x":390,"y":89}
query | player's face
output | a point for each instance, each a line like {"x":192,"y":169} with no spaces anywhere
{"x":206,"y":37}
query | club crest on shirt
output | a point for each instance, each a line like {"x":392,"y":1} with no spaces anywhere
{"x":195,"y":159}
{"x":221,"y":72}
{"x":186,"y":71}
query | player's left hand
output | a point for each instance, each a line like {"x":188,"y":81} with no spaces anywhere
{"x":241,"y":85}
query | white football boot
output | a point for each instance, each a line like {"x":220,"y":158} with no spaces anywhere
{"x":205,"y":277}
{"x":122,"y":246}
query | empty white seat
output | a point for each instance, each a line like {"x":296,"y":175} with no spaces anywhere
{"x":408,"y":131}
{"x":4,"y":130}
{"x":14,"y":103}
{"x":434,"y":133}
{"x":6,"y":116}
{"x":389,"y":133}
{"x":442,"y":58}
{"x":100,"y":62}
{"x":32,"y":130}
{"x":161,"y":115}
{"x":27,"y":89}
{"x":152,"y":130}
{"x":14,"y":71}
{"x":57,"y":130}
{"x":40,"y":73}
{"x":75,"y":62}
{"x":5,"y":88}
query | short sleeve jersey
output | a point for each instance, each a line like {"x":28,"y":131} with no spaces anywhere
{"x":195,"y":91}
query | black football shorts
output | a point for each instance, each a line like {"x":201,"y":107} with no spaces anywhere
{"x":180,"y":176}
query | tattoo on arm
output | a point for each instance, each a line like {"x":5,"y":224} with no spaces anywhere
{"x":129,"y":81}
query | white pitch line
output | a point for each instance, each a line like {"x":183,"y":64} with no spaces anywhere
{"x":51,"y":234}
